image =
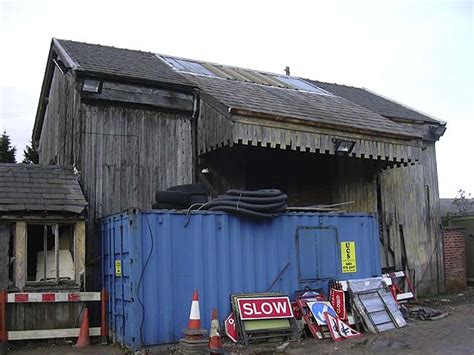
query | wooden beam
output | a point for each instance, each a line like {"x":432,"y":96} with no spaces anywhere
{"x":20,"y":255}
{"x":166,"y":99}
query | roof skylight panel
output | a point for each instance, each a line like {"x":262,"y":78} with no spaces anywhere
{"x":300,"y":84}
{"x":188,"y":66}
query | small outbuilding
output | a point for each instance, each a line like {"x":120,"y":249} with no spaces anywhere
{"x":42,"y":241}
{"x":42,"y":226}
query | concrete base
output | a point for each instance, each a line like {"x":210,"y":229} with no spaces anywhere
{"x":194,"y":346}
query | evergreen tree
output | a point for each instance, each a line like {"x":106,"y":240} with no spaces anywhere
{"x":7,"y":152}
{"x":30,"y":155}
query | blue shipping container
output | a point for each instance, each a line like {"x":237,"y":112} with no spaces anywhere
{"x":152,"y":262}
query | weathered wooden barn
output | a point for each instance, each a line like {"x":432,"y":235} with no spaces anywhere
{"x":136,"y":122}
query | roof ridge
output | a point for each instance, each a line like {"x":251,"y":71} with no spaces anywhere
{"x":104,"y":46}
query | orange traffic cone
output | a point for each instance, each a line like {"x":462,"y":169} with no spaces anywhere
{"x":215,"y":344}
{"x":83,"y":339}
{"x":194,"y":314}
{"x":194,"y":339}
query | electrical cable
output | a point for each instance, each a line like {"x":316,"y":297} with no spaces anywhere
{"x":141,"y":278}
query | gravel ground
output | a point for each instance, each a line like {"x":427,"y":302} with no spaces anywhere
{"x":451,"y":335}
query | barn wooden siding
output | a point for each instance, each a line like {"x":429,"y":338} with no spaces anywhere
{"x":410,"y":206}
{"x":40,"y":316}
{"x":126,"y":152}
{"x":218,"y":129}
{"x":60,"y":130}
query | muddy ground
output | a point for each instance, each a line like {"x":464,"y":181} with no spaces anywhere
{"x":451,"y":335}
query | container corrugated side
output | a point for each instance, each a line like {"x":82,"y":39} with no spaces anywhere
{"x":164,"y":256}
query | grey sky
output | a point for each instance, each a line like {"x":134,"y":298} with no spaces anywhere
{"x":420,"y":53}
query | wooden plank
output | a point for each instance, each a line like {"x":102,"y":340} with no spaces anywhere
{"x":4,"y":258}
{"x":49,"y":333}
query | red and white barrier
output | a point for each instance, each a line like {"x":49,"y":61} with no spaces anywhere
{"x":50,"y":297}
{"x":32,"y":297}
{"x":399,"y":294}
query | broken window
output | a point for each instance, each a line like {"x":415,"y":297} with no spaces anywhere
{"x":50,"y":253}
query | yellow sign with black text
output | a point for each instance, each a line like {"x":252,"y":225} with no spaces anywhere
{"x":118,"y":268}
{"x":348,"y":257}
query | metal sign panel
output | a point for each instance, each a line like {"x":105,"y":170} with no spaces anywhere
{"x":348,"y":257}
{"x":264,"y":308}
{"x":338,"y":301}
{"x":230,"y":328}
{"x":319,"y":308}
{"x":332,"y":325}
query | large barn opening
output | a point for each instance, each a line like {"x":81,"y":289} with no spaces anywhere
{"x":309,"y":179}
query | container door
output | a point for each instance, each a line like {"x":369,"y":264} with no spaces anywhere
{"x":318,"y":259}
{"x":117,"y":278}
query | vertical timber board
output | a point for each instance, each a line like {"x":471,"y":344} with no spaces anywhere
{"x":57,"y":132}
{"x":405,"y":202}
{"x":80,"y":248}
{"x":4,"y":248}
{"x":43,"y":316}
{"x":130,"y":154}
{"x":430,"y":172}
{"x":214,"y":128}
{"x":20,"y":255}
{"x":355,"y":180}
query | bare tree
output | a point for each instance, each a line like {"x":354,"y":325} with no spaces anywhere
{"x":463,"y":202}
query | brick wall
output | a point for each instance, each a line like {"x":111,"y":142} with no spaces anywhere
{"x":454,"y":258}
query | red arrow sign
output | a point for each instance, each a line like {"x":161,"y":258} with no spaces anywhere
{"x":230,"y":328}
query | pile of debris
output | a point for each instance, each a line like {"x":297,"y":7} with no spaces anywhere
{"x":352,"y":307}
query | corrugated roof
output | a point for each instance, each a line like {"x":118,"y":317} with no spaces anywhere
{"x":373,"y":102}
{"x":39,"y":188}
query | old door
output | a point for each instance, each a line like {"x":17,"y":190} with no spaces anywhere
{"x":317,"y":256}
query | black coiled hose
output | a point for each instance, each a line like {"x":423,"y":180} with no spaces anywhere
{"x":266,"y":203}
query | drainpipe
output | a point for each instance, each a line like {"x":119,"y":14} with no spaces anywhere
{"x":194,"y":136}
